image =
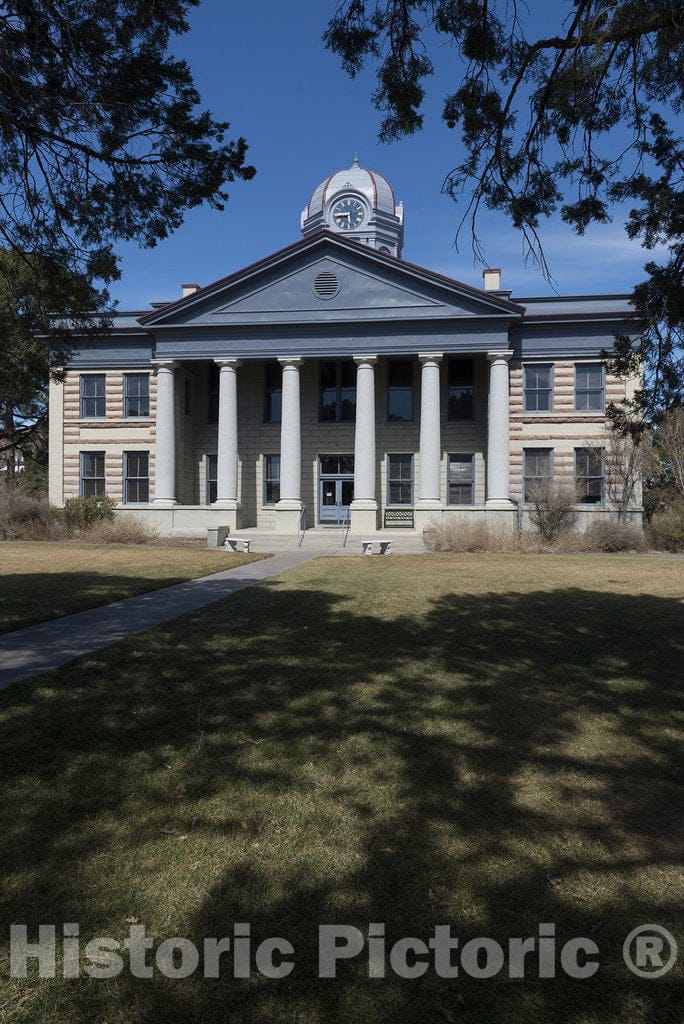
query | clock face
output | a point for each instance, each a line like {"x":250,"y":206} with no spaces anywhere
{"x":347,"y":214}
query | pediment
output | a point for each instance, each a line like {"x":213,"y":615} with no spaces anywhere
{"x":329,"y":280}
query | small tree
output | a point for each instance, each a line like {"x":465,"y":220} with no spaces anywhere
{"x":553,"y":509}
{"x":624,"y":466}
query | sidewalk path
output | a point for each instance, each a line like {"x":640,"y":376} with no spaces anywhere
{"x":48,"y":645}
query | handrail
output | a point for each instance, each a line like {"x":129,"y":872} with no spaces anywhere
{"x":346,"y":525}
{"x":300,"y":527}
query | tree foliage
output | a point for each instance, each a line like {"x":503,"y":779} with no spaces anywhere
{"x":575,"y":120}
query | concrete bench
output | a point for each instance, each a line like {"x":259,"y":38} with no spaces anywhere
{"x":383,"y":545}
{"x":237,"y":544}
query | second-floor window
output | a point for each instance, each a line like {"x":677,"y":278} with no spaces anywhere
{"x":338,"y":391}
{"x":538,"y":387}
{"x":461,"y":396}
{"x":400,"y":390}
{"x":136,"y":394}
{"x":212,"y":393}
{"x":92,"y":395}
{"x":273,"y":393}
{"x":589,"y":387}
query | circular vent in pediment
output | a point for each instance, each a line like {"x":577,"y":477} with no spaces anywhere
{"x":326,"y":285}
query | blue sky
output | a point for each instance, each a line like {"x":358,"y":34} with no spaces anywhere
{"x":263,"y":67}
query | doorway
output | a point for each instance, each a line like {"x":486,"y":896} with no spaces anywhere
{"x":335,"y":488}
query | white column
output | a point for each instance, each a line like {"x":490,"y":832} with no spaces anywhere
{"x":498,"y":434}
{"x":227,"y":449}
{"x":165,"y":449}
{"x":290,"y":504}
{"x":364,"y":507}
{"x":429,"y":494}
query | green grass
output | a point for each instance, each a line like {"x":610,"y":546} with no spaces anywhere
{"x":486,"y":741}
{"x":40,"y":581}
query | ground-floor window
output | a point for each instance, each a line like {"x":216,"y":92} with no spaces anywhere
{"x":92,"y":474}
{"x":400,"y":479}
{"x":589,"y":476}
{"x":461,"y":479}
{"x":271,"y":479}
{"x":136,"y":478}
{"x":211,"y":479}
{"x":537,"y":470}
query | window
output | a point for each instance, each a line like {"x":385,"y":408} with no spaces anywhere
{"x":461,"y":480}
{"x":589,"y":387}
{"x":273,"y":393}
{"x":187,"y":396}
{"x":92,"y":474}
{"x":461,"y":390}
{"x":211,"y":479}
{"x":136,"y":394}
{"x":537,"y":470}
{"x":136,"y":477}
{"x":538,"y":388}
{"x":92,"y":395}
{"x":399,"y":479}
{"x":271,"y":479}
{"x":338,"y":391}
{"x":589,"y":475}
{"x":400,"y":389}
{"x":212,"y":393}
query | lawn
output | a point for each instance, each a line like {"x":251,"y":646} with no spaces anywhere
{"x":40,"y":581}
{"x":488,"y":742}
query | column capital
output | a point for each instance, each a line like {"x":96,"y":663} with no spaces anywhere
{"x":365,"y":360}
{"x":290,"y":361}
{"x":504,"y":354}
{"x":230,"y":364}
{"x":164,"y":364}
{"x":430,"y":357}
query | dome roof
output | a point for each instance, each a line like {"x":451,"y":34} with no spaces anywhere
{"x":374,"y":186}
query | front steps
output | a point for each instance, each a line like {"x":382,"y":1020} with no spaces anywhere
{"x":328,"y":541}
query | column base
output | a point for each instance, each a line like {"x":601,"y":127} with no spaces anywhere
{"x":231,"y":509}
{"x":363,"y":516}
{"x":288,"y":514}
{"x":164,"y":502}
{"x":499,"y":505}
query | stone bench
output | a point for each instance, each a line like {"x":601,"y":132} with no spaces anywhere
{"x":383,"y":545}
{"x":237,"y":544}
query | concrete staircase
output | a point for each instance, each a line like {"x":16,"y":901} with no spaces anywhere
{"x":328,"y":541}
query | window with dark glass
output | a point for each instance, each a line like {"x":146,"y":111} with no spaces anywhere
{"x":136,"y":477}
{"x":537,"y":471}
{"x":92,"y":474}
{"x":538,"y":388}
{"x":589,"y":476}
{"x":212,"y":393}
{"x":461,"y":397}
{"x":273,"y":393}
{"x":399,"y":479}
{"x":400,"y":389}
{"x":187,"y":396}
{"x":589,"y":387}
{"x":92,"y":395}
{"x":211,"y":479}
{"x":136,"y":394}
{"x":271,"y":479}
{"x":338,"y":391}
{"x":460,"y":480}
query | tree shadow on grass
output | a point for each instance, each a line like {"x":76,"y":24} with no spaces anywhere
{"x":499,"y":761}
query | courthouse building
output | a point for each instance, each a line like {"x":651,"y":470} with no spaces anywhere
{"x":334,"y":382}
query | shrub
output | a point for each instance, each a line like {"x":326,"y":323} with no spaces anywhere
{"x":24,"y":517}
{"x":80,"y":513}
{"x":608,"y":535}
{"x":552,"y":511}
{"x":462,"y":537}
{"x":119,"y":530}
{"x":665,"y":530}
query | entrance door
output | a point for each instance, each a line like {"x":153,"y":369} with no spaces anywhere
{"x":336,"y":487}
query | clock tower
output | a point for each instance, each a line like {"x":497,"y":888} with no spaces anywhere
{"x":359,"y":204}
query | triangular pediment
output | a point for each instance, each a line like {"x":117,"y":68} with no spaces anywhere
{"x":329,"y":279}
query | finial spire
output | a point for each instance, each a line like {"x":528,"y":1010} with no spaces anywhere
{"x":355,"y":161}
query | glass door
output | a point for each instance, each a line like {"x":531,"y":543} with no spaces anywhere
{"x":336,"y":487}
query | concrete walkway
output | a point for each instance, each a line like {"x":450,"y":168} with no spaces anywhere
{"x":48,"y":645}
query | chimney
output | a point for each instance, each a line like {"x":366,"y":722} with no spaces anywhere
{"x":492,"y":279}
{"x":189,"y":289}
